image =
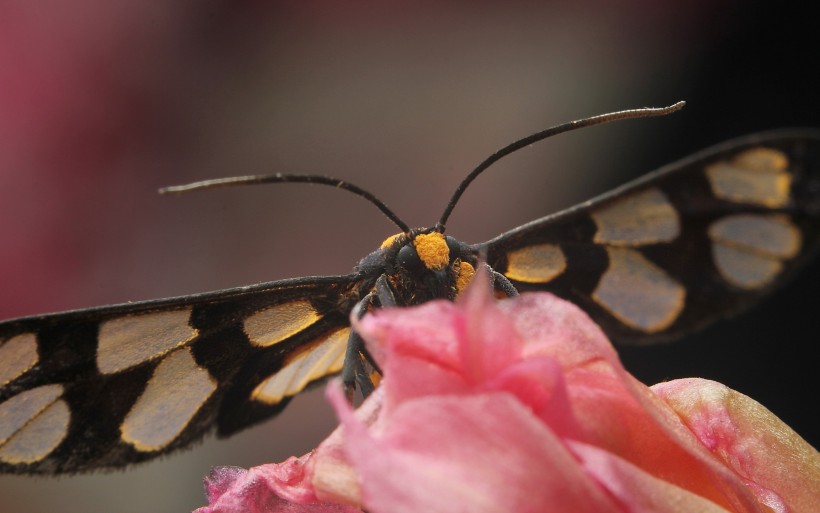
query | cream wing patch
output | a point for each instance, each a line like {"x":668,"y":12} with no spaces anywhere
{"x":276,"y":323}
{"x":134,"y":339}
{"x":17,"y":355}
{"x":769,"y":235}
{"x":758,"y":176}
{"x":176,"y":391}
{"x":749,"y":249}
{"x":645,"y":217}
{"x":325,"y":358}
{"x":540,"y":263}
{"x":638,"y":293}
{"x":32,"y":424}
{"x":745,"y":270}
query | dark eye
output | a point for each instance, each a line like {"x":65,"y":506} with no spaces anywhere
{"x":408,"y":258}
{"x":456,"y":248}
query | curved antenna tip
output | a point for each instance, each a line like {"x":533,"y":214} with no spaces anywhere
{"x":172,"y":189}
{"x":676,"y":106}
{"x":646,"y":112}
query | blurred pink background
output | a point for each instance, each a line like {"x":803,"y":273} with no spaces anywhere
{"x":102,"y":103}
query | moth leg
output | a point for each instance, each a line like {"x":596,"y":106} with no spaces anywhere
{"x":385,"y":292}
{"x":352,"y":367}
{"x":359,"y":369}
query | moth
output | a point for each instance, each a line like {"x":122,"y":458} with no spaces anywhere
{"x":656,"y":258}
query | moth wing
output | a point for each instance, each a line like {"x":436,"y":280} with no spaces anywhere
{"x":110,"y":386}
{"x":694,"y":241}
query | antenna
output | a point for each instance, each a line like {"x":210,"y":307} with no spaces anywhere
{"x":549,"y":132}
{"x":283,"y":178}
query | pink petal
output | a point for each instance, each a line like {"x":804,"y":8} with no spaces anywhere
{"x":425,"y":331}
{"x":220,"y":480}
{"x":259,"y":490}
{"x":624,"y":417}
{"x":635,"y":489}
{"x":552,"y":326}
{"x":780,"y":468}
{"x":487,"y":339}
{"x":416,"y":347}
{"x":614,"y":411}
{"x":540,"y":385}
{"x":333,"y":479}
{"x":482,"y":453}
{"x":524,"y":406}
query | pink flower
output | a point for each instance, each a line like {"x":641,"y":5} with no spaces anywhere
{"x":523,"y":405}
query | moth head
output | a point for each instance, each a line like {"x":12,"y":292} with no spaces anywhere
{"x":441,"y":262}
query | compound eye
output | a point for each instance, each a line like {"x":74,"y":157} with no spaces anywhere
{"x":455,"y":247}
{"x":408,"y":258}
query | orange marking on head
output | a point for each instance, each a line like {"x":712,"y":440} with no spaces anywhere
{"x":466,"y":272}
{"x":390,"y":240}
{"x":432,"y":250}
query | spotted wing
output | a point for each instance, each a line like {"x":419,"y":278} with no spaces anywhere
{"x":692,"y":242}
{"x":115,"y":385}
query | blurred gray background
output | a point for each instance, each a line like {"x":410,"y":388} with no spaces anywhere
{"x":101,"y":103}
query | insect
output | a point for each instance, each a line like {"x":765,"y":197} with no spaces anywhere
{"x":696,"y":240}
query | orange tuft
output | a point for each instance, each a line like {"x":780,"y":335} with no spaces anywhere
{"x":432,"y":250}
{"x":465,"y":276}
{"x":390,"y":240}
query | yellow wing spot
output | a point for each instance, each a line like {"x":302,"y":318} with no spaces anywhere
{"x":758,"y":176}
{"x":432,"y":250}
{"x":745,"y":270}
{"x":749,"y":249}
{"x":176,"y":391}
{"x":769,"y":235}
{"x":638,"y":293}
{"x":17,"y":355}
{"x":762,"y":159}
{"x":540,"y":263}
{"x":390,"y":240}
{"x":646,"y":217}
{"x":276,"y":323}
{"x":133,"y":339}
{"x":32,"y":424}
{"x":317,"y":361}
{"x":466,"y":272}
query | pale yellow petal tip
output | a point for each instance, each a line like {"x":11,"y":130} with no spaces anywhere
{"x":748,"y":437}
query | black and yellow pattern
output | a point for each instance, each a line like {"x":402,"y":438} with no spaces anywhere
{"x":113,"y":385}
{"x":678,"y":248}
{"x":692,"y":242}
